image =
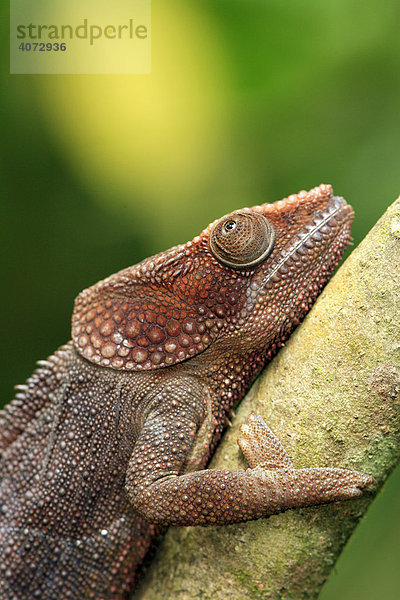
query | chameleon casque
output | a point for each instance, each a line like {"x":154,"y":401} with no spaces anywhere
{"x":109,"y":438}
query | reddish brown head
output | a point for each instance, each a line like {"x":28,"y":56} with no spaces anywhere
{"x":243,"y":283}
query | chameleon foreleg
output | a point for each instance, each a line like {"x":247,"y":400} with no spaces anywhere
{"x":162,"y":494}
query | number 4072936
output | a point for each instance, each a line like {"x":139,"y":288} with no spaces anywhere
{"x":42,"y":47}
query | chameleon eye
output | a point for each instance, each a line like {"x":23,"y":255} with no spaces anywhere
{"x":229,"y":225}
{"x":242,"y":239}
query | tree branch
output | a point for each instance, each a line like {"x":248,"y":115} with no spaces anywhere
{"x":330,"y":397}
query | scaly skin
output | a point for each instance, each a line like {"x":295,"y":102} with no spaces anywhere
{"x":108,"y":439}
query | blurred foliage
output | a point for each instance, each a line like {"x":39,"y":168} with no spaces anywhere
{"x":248,"y":101}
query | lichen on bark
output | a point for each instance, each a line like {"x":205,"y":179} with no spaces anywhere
{"x":331,"y":396}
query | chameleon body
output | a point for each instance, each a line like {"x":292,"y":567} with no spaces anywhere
{"x":109,"y":438}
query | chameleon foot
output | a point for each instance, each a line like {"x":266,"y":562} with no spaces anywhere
{"x":298,"y":487}
{"x":261,"y":447}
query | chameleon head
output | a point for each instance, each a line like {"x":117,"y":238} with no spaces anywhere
{"x":303,"y":239}
{"x":244,"y":282}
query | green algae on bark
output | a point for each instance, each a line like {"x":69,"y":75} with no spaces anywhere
{"x":331,"y":396}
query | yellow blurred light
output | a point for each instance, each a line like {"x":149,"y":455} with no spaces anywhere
{"x":154,"y":138}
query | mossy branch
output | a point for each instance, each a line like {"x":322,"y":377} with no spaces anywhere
{"x":331,"y":396}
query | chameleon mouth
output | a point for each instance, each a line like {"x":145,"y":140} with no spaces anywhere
{"x":327,"y":233}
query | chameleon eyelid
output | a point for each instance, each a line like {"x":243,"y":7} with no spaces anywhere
{"x":249,"y":243}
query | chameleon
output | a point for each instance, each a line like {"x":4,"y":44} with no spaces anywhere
{"x":108,"y":441}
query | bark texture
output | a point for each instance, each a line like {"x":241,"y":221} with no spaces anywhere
{"x":332,"y":398}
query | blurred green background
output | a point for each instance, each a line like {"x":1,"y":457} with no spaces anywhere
{"x":248,"y":101}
